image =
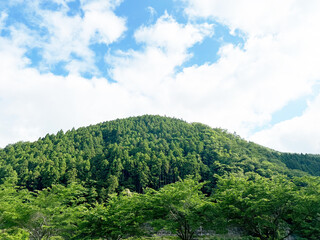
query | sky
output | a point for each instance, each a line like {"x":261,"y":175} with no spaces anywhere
{"x":249,"y":66}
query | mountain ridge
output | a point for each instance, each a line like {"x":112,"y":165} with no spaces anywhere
{"x":145,"y":151}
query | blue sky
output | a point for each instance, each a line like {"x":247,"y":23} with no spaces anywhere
{"x":246,"y":67}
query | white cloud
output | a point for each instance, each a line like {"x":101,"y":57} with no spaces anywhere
{"x":165,"y":47}
{"x":33,"y":104}
{"x":73,"y":35}
{"x":277,"y":64}
{"x":68,"y":38}
{"x":3,"y":17}
{"x":100,"y":23}
{"x":299,"y":134}
{"x":39,"y":103}
{"x":254,"y":17}
{"x":239,"y":92}
{"x":172,"y":36}
{"x":152,"y":12}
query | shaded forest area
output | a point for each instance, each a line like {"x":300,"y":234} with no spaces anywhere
{"x":120,"y":178}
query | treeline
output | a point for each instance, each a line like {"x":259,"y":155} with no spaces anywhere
{"x":305,"y":162}
{"x":252,"y":206}
{"x":140,"y":152}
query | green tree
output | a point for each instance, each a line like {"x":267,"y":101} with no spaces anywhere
{"x":47,"y":213}
{"x":14,"y":234}
{"x":305,"y":220}
{"x":13,"y":211}
{"x":121,"y":217}
{"x":260,"y":207}
{"x":54,"y":211}
{"x":177,"y":208}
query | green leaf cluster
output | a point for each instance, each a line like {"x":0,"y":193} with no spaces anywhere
{"x":248,"y":204}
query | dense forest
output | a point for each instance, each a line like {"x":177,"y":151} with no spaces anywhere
{"x":134,"y":177}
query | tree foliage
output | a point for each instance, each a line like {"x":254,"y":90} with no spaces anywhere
{"x":120,"y":217}
{"x":270,"y":208}
{"x":178,"y":208}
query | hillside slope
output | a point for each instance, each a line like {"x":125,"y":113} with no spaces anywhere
{"x":139,"y":152}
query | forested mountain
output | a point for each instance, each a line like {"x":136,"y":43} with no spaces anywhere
{"x":137,"y":176}
{"x":140,"y":152}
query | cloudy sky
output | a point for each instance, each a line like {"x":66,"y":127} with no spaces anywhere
{"x":249,"y":66}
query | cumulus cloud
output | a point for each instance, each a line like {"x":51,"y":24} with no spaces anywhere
{"x":62,"y":37}
{"x":276,"y":64}
{"x":172,"y":36}
{"x":165,"y":47}
{"x":72,"y":35}
{"x":38,"y":103}
{"x":33,"y":104}
{"x":299,"y":134}
{"x":254,"y":17}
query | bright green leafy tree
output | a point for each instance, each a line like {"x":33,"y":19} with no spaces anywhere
{"x":121,"y":217}
{"x":258,"y":206}
{"x":305,"y":221}
{"x":177,"y":208}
